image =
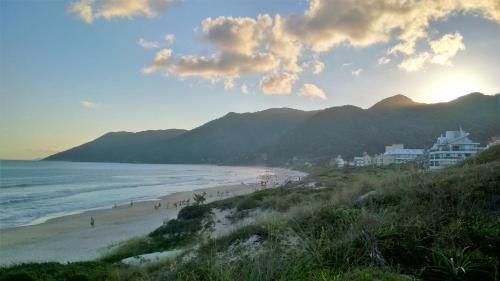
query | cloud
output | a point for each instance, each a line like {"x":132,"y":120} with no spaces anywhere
{"x":415,"y":62}
{"x":236,"y":35}
{"x":89,"y":10}
{"x":312,"y":91}
{"x":284,"y":46}
{"x":275,"y":46}
{"x":170,"y":38}
{"x":213,"y":68}
{"x":446,"y":48}
{"x":316,"y":66}
{"x":83,"y":9}
{"x":148,"y":44}
{"x":383,"y":60}
{"x":160,"y":61}
{"x":278,"y":83}
{"x":88,"y":104}
{"x":228,"y":83}
{"x":357,"y":72}
{"x":442,"y":50}
{"x":236,"y":41}
{"x":360,"y":23}
{"x":244,"y":89}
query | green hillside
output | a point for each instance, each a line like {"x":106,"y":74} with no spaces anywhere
{"x":277,"y":136}
{"x":118,"y":146}
{"x":229,"y":139}
{"x":350,"y":131}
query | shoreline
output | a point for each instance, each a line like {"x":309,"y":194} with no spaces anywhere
{"x":70,"y":238}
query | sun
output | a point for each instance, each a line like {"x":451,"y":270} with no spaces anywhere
{"x":448,"y":86}
{"x":454,"y":88}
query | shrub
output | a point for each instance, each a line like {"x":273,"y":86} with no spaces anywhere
{"x":193,"y":212}
{"x":17,"y":276}
{"x":247,"y":204}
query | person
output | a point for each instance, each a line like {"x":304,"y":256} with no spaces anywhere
{"x":92,"y":221}
{"x":131,"y":203}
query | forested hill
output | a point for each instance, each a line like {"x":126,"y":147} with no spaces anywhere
{"x":278,"y":135}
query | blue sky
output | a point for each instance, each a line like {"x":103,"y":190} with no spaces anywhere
{"x":64,"y":81}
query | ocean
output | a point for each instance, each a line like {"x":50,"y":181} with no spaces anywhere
{"x":33,"y":191}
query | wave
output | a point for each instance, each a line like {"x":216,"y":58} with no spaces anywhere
{"x":3,"y":186}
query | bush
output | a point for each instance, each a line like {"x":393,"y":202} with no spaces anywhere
{"x":247,"y":204}
{"x":193,"y":212}
{"x":373,"y":274}
{"x":17,"y":276}
{"x":77,"y":271}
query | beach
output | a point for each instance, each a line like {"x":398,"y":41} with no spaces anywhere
{"x":72,"y":238}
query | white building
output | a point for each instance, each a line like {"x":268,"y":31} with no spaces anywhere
{"x":451,"y":148}
{"x":337,"y":162}
{"x":397,"y":154}
{"x":359,"y":161}
{"x":365,"y":160}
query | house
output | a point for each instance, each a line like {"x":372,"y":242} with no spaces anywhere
{"x":365,"y":160}
{"x":449,"y":149}
{"x":378,"y":159}
{"x":397,"y":154}
{"x":337,"y":162}
{"x":359,"y":161}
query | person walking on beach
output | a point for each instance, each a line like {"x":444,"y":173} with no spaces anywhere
{"x":92,"y":221}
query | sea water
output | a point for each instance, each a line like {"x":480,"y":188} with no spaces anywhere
{"x":33,"y":191}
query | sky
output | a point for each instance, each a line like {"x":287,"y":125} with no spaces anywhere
{"x":70,"y":71}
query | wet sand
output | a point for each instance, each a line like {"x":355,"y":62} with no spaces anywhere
{"x":71,"y":238}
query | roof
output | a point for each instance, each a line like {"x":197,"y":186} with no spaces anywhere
{"x":407,"y":151}
{"x":453,"y":138}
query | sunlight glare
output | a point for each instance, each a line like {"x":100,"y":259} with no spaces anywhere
{"x":453,"y":89}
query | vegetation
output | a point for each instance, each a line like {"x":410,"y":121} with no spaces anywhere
{"x":175,"y":233}
{"x":373,"y":223}
{"x":117,"y":146}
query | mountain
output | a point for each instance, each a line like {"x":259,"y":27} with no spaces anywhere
{"x":279,"y":135}
{"x":228,"y":139}
{"x":394,"y":102}
{"x":117,"y":146}
{"x":350,"y":131}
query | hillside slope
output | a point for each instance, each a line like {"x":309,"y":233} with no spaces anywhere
{"x":117,"y":146}
{"x":350,"y":131}
{"x":229,"y":139}
{"x":226,"y":140}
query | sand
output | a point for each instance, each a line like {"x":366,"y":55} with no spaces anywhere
{"x":71,"y":238}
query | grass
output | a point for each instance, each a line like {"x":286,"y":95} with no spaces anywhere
{"x":78,"y":271}
{"x":175,"y":233}
{"x":373,"y":223}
